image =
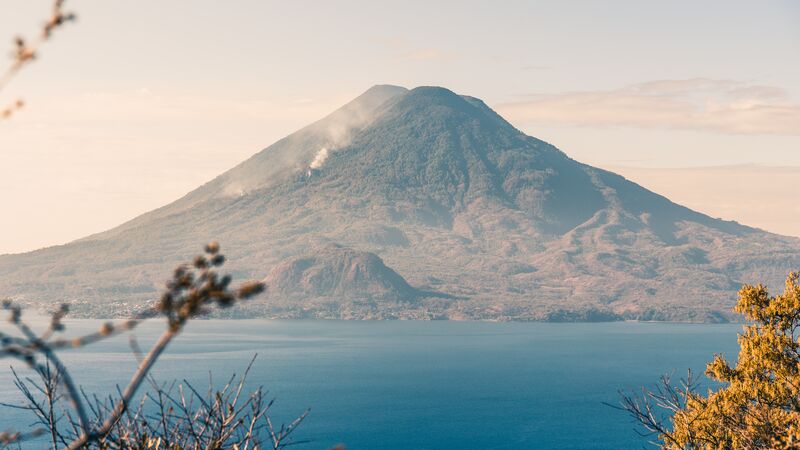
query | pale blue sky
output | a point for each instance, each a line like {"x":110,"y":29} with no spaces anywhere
{"x":140,"y":101}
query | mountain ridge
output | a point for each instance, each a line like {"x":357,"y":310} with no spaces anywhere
{"x":453,"y":198}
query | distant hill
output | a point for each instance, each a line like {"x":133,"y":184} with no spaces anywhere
{"x":489,"y":222}
{"x":339,"y":273}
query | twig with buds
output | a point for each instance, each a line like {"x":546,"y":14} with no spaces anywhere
{"x":25,"y":52}
{"x":192,"y":291}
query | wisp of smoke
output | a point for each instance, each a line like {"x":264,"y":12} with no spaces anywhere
{"x":319,"y":158}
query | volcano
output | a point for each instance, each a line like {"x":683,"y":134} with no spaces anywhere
{"x":457,"y":214}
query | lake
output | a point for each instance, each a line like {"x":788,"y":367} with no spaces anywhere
{"x":422,"y":385}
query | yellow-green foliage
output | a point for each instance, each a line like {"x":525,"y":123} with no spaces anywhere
{"x":759,"y":405}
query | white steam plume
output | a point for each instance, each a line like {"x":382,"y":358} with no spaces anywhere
{"x":319,"y":158}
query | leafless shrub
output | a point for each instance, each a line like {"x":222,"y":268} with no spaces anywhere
{"x":174,"y":416}
{"x":169,"y":416}
{"x":652,"y":408}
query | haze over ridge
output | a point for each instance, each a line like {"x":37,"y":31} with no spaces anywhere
{"x":492,"y":223}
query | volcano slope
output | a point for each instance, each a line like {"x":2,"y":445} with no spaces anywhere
{"x":459,"y":204}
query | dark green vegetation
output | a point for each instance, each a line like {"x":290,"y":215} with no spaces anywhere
{"x":489,"y":222}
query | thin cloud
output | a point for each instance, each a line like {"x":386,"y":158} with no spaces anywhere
{"x":759,"y":196}
{"x":145,"y":105}
{"x":723,"y":106}
{"x":427,"y":54}
{"x":536,"y":67}
{"x":405,"y":50}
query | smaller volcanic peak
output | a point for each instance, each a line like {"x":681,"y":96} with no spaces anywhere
{"x":341,"y":272}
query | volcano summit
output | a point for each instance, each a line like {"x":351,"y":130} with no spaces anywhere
{"x":422,"y":204}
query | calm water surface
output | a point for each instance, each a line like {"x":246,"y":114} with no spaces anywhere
{"x":424,"y":385}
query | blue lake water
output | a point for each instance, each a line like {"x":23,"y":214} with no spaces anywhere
{"x":423,"y":385}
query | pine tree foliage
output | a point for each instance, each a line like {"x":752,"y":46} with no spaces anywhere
{"x":758,"y":405}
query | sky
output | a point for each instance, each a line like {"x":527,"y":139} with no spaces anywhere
{"x":137,"y":103}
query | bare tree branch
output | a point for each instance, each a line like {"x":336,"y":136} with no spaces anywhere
{"x":25,"y":52}
{"x":197,"y":422}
